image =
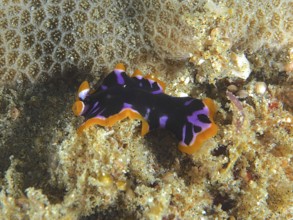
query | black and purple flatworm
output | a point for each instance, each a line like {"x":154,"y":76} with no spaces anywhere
{"x":142,"y":97}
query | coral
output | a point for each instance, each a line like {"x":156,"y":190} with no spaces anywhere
{"x":262,"y":30}
{"x":47,"y":38}
{"x":42,"y":39}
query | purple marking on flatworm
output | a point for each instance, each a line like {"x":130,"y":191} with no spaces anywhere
{"x":194,"y":135}
{"x":193,"y":119}
{"x":157,"y":92}
{"x":147,"y":113}
{"x":103,"y":87}
{"x":83,"y":94}
{"x":183,"y":133}
{"x":163,"y":121}
{"x":151,"y":81}
{"x":126,"y":105}
{"x":120,"y":79}
{"x":94,"y":109}
{"x":188,"y":102}
{"x":96,"y":104}
{"x":100,"y":117}
{"x":98,"y":114}
{"x":193,"y":138}
{"x":139,"y":77}
{"x":118,"y":71}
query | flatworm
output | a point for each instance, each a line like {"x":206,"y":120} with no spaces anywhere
{"x":142,"y":97}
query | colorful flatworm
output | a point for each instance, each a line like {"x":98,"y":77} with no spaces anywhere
{"x":142,"y":97}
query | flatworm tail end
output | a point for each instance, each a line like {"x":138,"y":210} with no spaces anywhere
{"x":205,"y":134}
{"x":83,"y":92}
{"x":212,"y":107}
{"x":78,"y":108}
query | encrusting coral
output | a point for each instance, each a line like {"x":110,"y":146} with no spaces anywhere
{"x":226,"y":30}
{"x":41,"y":39}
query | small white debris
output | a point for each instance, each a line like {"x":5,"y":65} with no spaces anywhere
{"x":242,"y":66}
{"x":182,"y":94}
{"x":187,"y":80}
{"x":260,"y":88}
{"x":200,"y":61}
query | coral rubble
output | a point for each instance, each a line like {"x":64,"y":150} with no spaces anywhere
{"x":245,"y":171}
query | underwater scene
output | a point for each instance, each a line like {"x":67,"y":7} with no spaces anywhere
{"x":146,"y":109}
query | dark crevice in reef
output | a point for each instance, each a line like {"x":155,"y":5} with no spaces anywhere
{"x":168,"y":151}
{"x":221,"y":150}
{"x":227,"y":204}
{"x":168,"y":156}
{"x":44,"y":109}
{"x":226,"y":200}
{"x":117,"y":211}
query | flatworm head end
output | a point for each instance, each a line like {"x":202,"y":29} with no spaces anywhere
{"x":204,"y":134}
{"x":83,"y":92}
{"x":82,"y":107}
{"x":78,"y":108}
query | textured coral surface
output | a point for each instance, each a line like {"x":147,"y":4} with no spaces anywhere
{"x":48,"y":172}
{"x":42,"y":39}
